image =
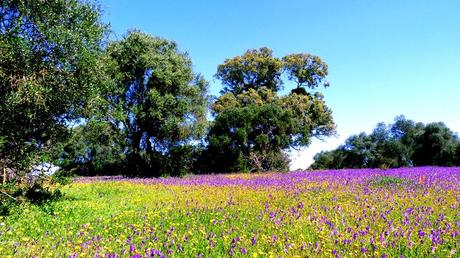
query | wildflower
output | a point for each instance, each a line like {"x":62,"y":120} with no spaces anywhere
{"x":421,"y":233}
{"x":132,"y":248}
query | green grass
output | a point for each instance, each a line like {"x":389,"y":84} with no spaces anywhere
{"x":389,"y":181}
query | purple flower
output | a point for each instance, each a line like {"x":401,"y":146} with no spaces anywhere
{"x":421,"y":233}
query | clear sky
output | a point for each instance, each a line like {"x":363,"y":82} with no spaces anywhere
{"x":385,"y":58}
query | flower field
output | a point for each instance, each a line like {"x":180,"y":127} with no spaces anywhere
{"x":411,"y":212}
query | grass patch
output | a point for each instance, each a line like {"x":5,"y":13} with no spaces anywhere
{"x":389,"y":181}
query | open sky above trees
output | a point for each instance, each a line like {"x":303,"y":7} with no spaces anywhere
{"x":385,"y":58}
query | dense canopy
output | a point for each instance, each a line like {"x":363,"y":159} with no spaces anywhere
{"x":49,"y":68}
{"x":254,"y":126}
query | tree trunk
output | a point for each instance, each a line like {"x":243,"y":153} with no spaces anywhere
{"x":150,"y":151}
{"x":136,"y":160}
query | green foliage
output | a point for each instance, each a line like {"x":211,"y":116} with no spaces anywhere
{"x":389,"y":181}
{"x":180,"y":160}
{"x":403,"y":143}
{"x":330,"y":159}
{"x":254,"y":69}
{"x":35,"y":190}
{"x":250,"y":134}
{"x":137,"y":102}
{"x":94,"y":148}
{"x":8,"y":193}
{"x":437,"y":145}
{"x":305,"y":69}
{"x":147,"y":116}
{"x":253,"y":126}
{"x":156,"y":100}
{"x":2,"y":142}
{"x":457,"y":155}
{"x":48,"y":70}
{"x":258,"y":68}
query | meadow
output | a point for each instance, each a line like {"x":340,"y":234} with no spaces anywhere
{"x":407,"y":212}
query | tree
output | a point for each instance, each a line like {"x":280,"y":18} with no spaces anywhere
{"x":380,"y":149}
{"x":305,"y":70}
{"x":457,"y":155}
{"x":93,"y":148}
{"x":157,"y":99}
{"x":254,"y":69}
{"x":253,"y":135}
{"x":405,"y":132}
{"x":403,"y":143}
{"x":329,"y":159}
{"x":254,"y":126}
{"x":49,"y":68}
{"x":259,"y":68}
{"x":437,"y":145}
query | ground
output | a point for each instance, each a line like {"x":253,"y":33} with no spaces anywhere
{"x":411,"y":212}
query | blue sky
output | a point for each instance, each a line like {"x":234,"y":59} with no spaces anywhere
{"x":385,"y":58}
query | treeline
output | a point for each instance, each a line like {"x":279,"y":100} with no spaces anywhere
{"x":135,"y":106}
{"x":152,"y":119}
{"x":401,"y":144}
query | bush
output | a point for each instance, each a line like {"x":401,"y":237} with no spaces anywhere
{"x":7,"y":197}
{"x":31,"y":189}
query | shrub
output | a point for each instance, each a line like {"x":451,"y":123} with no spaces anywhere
{"x":31,"y":189}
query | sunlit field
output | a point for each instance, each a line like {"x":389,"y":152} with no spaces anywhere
{"x":410,"y":212}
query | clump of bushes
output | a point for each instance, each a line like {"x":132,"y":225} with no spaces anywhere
{"x":35,"y":190}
